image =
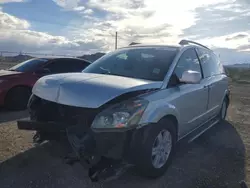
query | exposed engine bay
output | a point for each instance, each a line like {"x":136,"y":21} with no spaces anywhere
{"x":106,"y":154}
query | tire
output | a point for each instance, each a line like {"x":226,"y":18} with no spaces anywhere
{"x":223,"y":111}
{"x":17,"y":98}
{"x":146,"y":164}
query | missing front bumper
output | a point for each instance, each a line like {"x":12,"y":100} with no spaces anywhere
{"x":52,"y":127}
{"x":109,"y":144}
{"x":105,"y":154}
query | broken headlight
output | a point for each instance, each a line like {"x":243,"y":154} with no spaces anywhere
{"x":123,"y":115}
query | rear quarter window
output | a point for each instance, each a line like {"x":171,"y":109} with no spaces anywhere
{"x":210,"y":63}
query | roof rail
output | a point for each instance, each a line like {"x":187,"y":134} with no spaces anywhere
{"x":185,"y":42}
{"x":133,"y":43}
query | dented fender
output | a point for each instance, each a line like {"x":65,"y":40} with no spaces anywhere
{"x":154,"y":113}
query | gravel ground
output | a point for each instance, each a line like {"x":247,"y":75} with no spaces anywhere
{"x":219,"y":158}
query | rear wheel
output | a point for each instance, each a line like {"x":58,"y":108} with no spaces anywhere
{"x":158,"y":149}
{"x":17,"y":98}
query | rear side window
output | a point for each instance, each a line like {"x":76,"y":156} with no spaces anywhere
{"x":29,"y":65}
{"x":210,"y":63}
{"x":218,"y":64}
{"x":66,"y":65}
{"x":78,"y":65}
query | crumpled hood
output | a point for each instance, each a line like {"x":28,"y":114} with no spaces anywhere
{"x":87,"y":89}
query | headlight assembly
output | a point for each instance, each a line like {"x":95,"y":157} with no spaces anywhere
{"x":123,"y":115}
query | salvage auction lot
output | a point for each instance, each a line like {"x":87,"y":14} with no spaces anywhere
{"x":219,"y":158}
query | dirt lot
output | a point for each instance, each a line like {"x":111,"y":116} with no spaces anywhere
{"x":219,"y":158}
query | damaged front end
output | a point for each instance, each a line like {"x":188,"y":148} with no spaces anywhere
{"x":103,"y":145}
{"x":101,"y":153}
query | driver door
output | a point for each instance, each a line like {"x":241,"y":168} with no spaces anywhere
{"x":191,"y":99}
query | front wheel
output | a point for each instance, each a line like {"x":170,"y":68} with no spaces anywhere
{"x":17,"y":98}
{"x":158,"y":149}
{"x":223,"y":111}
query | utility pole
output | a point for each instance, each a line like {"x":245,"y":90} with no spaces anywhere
{"x":115,"y":40}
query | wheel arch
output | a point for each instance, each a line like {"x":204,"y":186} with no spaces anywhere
{"x":227,"y":97}
{"x":154,"y":114}
{"x":16,"y":86}
{"x":170,"y":117}
{"x":174,"y":120}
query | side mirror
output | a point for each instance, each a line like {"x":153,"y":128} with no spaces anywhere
{"x":191,"y":77}
{"x":43,"y":71}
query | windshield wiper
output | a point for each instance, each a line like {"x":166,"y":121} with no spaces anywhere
{"x":114,"y":74}
{"x":108,"y":72}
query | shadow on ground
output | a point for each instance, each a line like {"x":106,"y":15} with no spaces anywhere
{"x":6,"y":116}
{"x":216,"y":159}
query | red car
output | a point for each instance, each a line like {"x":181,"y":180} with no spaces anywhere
{"x":16,"y":83}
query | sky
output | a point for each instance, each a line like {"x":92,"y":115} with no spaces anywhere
{"x":77,"y":27}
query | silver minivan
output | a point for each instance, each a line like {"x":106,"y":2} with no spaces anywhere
{"x":131,"y":107}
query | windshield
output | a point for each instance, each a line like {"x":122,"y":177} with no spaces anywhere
{"x":142,"y":63}
{"x":29,"y":65}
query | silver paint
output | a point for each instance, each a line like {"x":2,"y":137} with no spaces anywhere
{"x":86,"y":89}
{"x":190,"y":104}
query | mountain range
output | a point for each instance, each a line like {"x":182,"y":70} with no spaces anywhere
{"x":21,"y":57}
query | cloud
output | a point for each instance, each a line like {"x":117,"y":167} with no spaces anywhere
{"x":238,"y":36}
{"x":88,"y":11}
{"x":134,"y":20}
{"x":32,"y":41}
{"x":67,"y":4}
{"x":220,"y":24}
{"x":10,"y":22}
{"x":10,"y":1}
{"x":116,"y":6}
{"x":79,"y":8}
{"x":143,"y":20}
{"x":244,"y":2}
{"x":15,"y":35}
{"x":224,"y":27}
{"x":219,"y":20}
{"x":212,"y":22}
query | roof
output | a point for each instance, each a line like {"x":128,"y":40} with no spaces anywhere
{"x":53,"y":58}
{"x":153,"y":46}
{"x":183,"y":43}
